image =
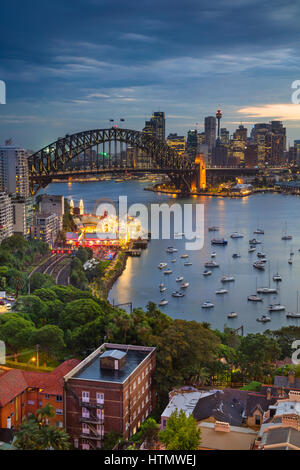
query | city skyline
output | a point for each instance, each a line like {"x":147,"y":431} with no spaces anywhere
{"x":100,"y":61}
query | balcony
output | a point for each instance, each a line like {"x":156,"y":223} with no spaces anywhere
{"x":91,"y":403}
{"x":91,"y":419}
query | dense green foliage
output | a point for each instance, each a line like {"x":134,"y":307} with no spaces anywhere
{"x":181,"y":432}
{"x":36,"y":434}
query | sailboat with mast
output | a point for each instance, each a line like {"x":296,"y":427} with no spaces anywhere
{"x":294,"y":314}
{"x":276,"y":307}
{"x":255,"y":297}
{"x":269,"y":289}
{"x":285,"y":236}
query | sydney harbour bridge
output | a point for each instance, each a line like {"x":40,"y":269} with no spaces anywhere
{"x":115,"y":151}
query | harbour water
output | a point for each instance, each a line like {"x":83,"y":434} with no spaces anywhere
{"x":140,"y":281}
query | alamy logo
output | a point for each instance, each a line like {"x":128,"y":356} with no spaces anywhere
{"x":2,"y":352}
{"x":2,"y":92}
{"x":296,"y":93}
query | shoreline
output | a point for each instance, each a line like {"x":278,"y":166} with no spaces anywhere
{"x":213,"y":194}
{"x":101,"y":287}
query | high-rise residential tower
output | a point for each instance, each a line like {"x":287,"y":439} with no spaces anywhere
{"x":210,"y":131}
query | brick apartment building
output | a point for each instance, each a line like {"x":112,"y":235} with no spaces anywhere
{"x":111,"y":390}
{"x":23,"y":392}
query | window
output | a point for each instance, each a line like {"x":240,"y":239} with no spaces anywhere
{"x":257,"y":420}
{"x":47,"y":397}
{"x":100,"y":398}
{"x":85,"y":447}
{"x":30,"y":402}
{"x":85,"y":429}
{"x":143,"y":389}
{"x":85,"y":413}
{"x":58,"y":424}
{"x":100,"y":414}
{"x":85,"y":397}
{"x":76,"y":443}
{"x":59,"y":411}
{"x":134,"y":385}
{"x":59,"y":398}
{"x":143,"y":375}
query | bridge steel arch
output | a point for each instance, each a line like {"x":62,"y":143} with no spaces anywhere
{"x":55,"y":158}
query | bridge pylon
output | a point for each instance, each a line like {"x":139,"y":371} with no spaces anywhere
{"x":199,"y":180}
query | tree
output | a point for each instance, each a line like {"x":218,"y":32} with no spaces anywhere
{"x":36,"y":434}
{"x":34,"y":306}
{"x":149,"y":431}
{"x":181,"y":432}
{"x":79,"y":313}
{"x":50,"y":338}
{"x":38,"y":280}
{"x":15,"y":331}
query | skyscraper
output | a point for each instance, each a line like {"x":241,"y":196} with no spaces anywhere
{"x":14,"y":176}
{"x":192,"y":143}
{"x":156,"y":126}
{"x":210,"y":131}
{"x":177,"y":142}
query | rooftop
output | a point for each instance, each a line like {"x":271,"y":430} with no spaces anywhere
{"x":89,"y":368}
{"x":185,"y":401}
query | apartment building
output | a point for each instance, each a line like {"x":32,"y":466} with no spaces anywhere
{"x":6,"y":216}
{"x":23,"y":392}
{"x":46,"y":227}
{"x":111,"y":390}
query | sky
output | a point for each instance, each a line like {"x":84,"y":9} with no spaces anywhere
{"x":71,"y":65}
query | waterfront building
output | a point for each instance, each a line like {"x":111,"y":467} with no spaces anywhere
{"x":22,"y":215}
{"x":22,"y":393}
{"x":110,"y":390}
{"x":6,"y":216}
{"x":46,"y":227}
{"x":177,"y":142}
{"x":14,"y":176}
{"x":210,"y":131}
{"x":52,"y":205}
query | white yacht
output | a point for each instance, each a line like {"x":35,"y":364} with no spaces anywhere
{"x":236,"y":255}
{"x":162,"y":289}
{"x":227,"y":279}
{"x":171,"y":249}
{"x":184,"y":285}
{"x":221,"y":291}
{"x":259,"y":231}
{"x":266,"y":290}
{"x":173,"y":260}
{"x":211,"y":264}
{"x":179,"y":278}
{"x":254,"y":242}
{"x":162,"y":265}
{"x":251,"y":249}
{"x":276,"y":308}
{"x":213,"y":255}
{"x":293,"y":315}
{"x":264,"y":319}
{"x":277,"y":277}
{"x":163,"y":302}
{"x":255,"y":298}
{"x":168,"y":271}
{"x":290,"y":261}
{"x":207,"y":272}
{"x":184,"y":256}
{"x":232,"y":315}
{"x":188,"y":263}
{"x":237,"y":235}
{"x":207,"y":304}
{"x":213,"y":229}
{"x":176,"y":293}
{"x":297,"y":313}
{"x":259,"y":265}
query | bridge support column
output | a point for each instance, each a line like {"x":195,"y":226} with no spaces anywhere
{"x":199,"y":181}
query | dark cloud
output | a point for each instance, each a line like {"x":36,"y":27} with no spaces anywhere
{"x":86,"y":60}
